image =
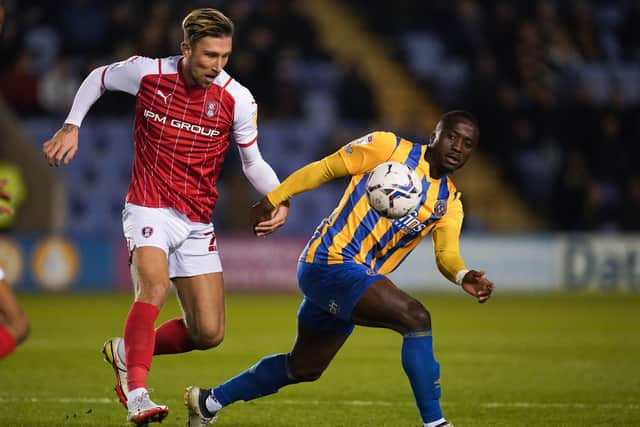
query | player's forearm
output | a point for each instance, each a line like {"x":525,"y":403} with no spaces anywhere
{"x":261,"y":176}
{"x":309,"y":177}
{"x":259,"y":173}
{"x":90,"y":90}
{"x":450,"y":263}
{"x":446,"y":244}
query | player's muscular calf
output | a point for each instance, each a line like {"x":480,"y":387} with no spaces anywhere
{"x":202,"y":301}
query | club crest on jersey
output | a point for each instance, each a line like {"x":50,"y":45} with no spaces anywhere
{"x":147,"y":232}
{"x":440,"y":208}
{"x":212,"y":108}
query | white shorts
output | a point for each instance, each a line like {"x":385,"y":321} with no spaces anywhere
{"x":1,"y":274}
{"x":191,"y":247}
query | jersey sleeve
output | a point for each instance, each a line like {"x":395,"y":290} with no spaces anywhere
{"x":446,"y":240}
{"x":125,"y":76}
{"x":257,"y":170}
{"x":309,"y":177}
{"x":365,"y":153}
{"x":245,"y":119}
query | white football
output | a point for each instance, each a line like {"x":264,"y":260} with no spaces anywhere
{"x":393,"y":189}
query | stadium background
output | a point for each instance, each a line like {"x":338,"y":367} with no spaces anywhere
{"x":552,"y":196}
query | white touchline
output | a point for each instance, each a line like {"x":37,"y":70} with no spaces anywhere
{"x":274,"y":401}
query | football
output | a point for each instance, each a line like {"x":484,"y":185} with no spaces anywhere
{"x":393,"y":189}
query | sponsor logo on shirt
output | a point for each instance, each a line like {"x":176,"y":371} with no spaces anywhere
{"x":179,"y":124}
{"x":410,"y":223}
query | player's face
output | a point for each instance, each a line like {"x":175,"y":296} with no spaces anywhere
{"x":206,"y":59}
{"x":453,"y":142}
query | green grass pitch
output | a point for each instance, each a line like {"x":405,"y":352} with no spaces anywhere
{"x":519,"y":360}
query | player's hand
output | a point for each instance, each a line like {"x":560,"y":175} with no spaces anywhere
{"x":277,"y":220}
{"x":475,"y":284}
{"x":266,"y":218}
{"x":62,"y":147}
{"x":5,"y":196}
{"x":259,"y":212}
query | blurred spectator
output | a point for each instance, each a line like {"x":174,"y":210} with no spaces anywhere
{"x":355,"y":98}
{"x":58,"y":88}
{"x":19,"y":85}
{"x":41,"y":41}
{"x":630,"y":205}
{"x":555,"y":84}
{"x":83,"y":25}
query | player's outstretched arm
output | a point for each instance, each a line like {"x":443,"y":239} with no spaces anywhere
{"x":475,"y":284}
{"x":63,"y":146}
{"x":266,"y":218}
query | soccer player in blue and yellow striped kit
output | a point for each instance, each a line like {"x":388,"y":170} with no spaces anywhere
{"x":342,"y":269}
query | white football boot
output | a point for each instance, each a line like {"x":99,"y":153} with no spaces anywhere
{"x":142,"y":410}
{"x":110,"y":353}
{"x":194,"y":398}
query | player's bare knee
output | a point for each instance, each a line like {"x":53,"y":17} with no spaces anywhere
{"x":417,"y":317}
{"x":152,"y":293}
{"x":209,"y":338}
{"x":306,"y":374}
{"x":302,"y":372}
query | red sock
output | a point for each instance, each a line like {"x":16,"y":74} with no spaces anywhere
{"x":173,"y":337}
{"x":139,"y":338}
{"x":7,"y":343}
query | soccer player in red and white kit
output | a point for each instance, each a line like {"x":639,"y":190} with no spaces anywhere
{"x":14,"y":325}
{"x":188,"y":112}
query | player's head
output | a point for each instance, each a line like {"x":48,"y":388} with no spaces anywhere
{"x":206,"y":45}
{"x":452,"y":141}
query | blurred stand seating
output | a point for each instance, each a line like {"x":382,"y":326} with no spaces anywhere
{"x":556,"y":86}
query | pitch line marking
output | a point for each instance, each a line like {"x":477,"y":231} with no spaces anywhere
{"x":493,"y":405}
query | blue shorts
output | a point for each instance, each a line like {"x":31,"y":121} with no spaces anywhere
{"x":331,"y":291}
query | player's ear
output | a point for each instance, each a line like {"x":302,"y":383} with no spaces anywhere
{"x":432,"y":138}
{"x":185,"y":48}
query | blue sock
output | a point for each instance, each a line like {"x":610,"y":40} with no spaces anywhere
{"x":265,"y":377}
{"x":424,"y":373}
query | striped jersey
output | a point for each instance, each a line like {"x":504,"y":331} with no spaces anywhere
{"x":181,"y":133}
{"x":354,"y":232}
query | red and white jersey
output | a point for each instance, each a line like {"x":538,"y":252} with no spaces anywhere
{"x":181,"y":134}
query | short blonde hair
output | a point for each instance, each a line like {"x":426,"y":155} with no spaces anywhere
{"x":205,"y":22}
